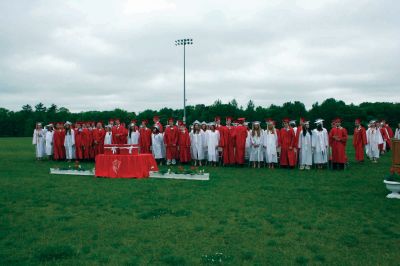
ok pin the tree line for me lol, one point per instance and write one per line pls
(21, 123)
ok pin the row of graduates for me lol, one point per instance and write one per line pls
(374, 141)
(232, 143)
(84, 140)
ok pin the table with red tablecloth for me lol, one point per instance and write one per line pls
(125, 166)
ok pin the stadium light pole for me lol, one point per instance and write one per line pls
(184, 42)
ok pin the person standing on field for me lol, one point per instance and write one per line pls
(38, 140)
(337, 140)
(359, 140)
(320, 144)
(49, 141)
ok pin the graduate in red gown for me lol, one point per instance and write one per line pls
(157, 123)
(385, 136)
(227, 142)
(145, 138)
(91, 127)
(119, 133)
(171, 141)
(337, 140)
(298, 132)
(184, 144)
(287, 140)
(359, 140)
(389, 133)
(58, 142)
(79, 139)
(240, 136)
(86, 140)
(98, 139)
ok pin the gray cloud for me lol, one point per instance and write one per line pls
(102, 55)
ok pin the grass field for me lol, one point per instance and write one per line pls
(239, 217)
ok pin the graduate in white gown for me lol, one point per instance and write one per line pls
(270, 143)
(248, 142)
(204, 127)
(197, 143)
(39, 135)
(212, 140)
(320, 144)
(157, 144)
(49, 140)
(374, 138)
(133, 134)
(305, 147)
(256, 145)
(397, 132)
(69, 142)
(108, 135)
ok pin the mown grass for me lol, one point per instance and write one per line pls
(239, 217)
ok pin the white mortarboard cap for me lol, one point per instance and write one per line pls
(319, 121)
(196, 122)
(203, 123)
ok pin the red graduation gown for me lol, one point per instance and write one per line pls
(119, 135)
(184, 146)
(86, 143)
(58, 142)
(171, 141)
(79, 146)
(145, 140)
(240, 135)
(338, 146)
(359, 142)
(98, 140)
(227, 142)
(287, 141)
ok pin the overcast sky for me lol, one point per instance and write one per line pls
(101, 55)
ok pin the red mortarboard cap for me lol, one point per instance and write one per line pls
(145, 121)
(180, 123)
(358, 120)
(286, 120)
(228, 118)
(170, 119)
(156, 117)
(217, 118)
(134, 121)
(338, 120)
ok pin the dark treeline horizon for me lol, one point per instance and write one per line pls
(21, 123)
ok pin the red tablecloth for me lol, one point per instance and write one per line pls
(125, 166)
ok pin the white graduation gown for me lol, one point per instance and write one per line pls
(134, 138)
(270, 143)
(320, 144)
(157, 142)
(108, 138)
(212, 145)
(205, 149)
(39, 142)
(256, 153)
(397, 133)
(69, 144)
(305, 146)
(197, 145)
(247, 145)
(49, 142)
(374, 138)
